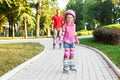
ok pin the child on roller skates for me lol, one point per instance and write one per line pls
(69, 39)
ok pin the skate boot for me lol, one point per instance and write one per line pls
(73, 68)
(66, 68)
(60, 46)
(53, 45)
(72, 65)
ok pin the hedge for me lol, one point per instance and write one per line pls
(107, 35)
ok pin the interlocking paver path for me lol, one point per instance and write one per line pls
(48, 66)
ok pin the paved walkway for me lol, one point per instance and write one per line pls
(48, 65)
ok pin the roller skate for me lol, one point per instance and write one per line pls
(66, 68)
(53, 45)
(72, 65)
(60, 46)
(73, 68)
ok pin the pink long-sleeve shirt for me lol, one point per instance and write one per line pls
(69, 36)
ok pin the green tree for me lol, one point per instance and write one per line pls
(3, 20)
(88, 14)
(48, 9)
(103, 12)
(47, 13)
(14, 10)
(9, 9)
(26, 14)
(91, 11)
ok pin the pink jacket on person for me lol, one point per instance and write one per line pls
(69, 36)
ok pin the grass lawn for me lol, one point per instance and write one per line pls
(15, 38)
(14, 54)
(112, 51)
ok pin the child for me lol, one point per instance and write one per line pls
(69, 39)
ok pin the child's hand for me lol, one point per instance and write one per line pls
(77, 43)
(59, 40)
(76, 40)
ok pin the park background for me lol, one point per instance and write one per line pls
(30, 19)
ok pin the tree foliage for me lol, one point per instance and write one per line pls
(48, 9)
(103, 12)
(14, 10)
(9, 9)
(26, 14)
(19, 11)
(92, 12)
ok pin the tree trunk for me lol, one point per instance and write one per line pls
(13, 35)
(25, 29)
(49, 33)
(37, 25)
(10, 19)
(37, 19)
(10, 30)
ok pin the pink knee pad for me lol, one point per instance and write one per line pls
(71, 54)
(66, 54)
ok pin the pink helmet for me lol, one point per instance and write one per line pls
(70, 12)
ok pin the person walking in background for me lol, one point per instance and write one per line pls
(57, 22)
(69, 39)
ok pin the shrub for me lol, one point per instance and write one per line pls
(84, 33)
(107, 35)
